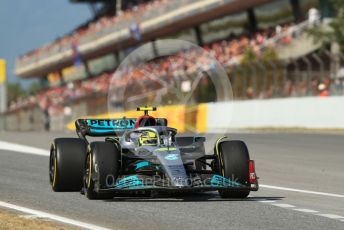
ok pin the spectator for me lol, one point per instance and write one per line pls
(313, 17)
(323, 91)
(227, 52)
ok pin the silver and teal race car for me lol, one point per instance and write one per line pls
(143, 155)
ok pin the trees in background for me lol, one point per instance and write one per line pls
(16, 90)
(335, 32)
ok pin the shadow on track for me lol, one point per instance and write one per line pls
(202, 197)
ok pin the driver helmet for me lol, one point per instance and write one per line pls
(148, 138)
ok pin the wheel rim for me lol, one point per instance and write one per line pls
(52, 167)
(88, 172)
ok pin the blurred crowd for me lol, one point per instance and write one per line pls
(227, 52)
(125, 19)
(54, 98)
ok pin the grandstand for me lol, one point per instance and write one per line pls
(79, 65)
(197, 21)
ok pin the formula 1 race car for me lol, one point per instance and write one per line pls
(144, 155)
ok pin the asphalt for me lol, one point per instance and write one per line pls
(294, 160)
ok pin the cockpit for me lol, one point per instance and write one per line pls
(151, 136)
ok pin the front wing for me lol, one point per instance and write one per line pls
(214, 182)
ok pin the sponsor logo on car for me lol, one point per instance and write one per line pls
(172, 157)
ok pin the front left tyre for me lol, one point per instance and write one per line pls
(66, 164)
(101, 170)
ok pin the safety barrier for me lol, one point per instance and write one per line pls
(26, 119)
(306, 112)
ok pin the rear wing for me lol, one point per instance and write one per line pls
(103, 127)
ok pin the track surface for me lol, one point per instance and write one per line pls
(303, 161)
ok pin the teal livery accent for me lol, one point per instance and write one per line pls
(220, 181)
(130, 182)
(142, 164)
(102, 131)
(172, 157)
(108, 125)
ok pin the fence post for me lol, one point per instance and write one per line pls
(309, 70)
(244, 80)
(321, 64)
(333, 66)
(296, 74)
(285, 64)
(253, 79)
(273, 66)
(263, 68)
(340, 83)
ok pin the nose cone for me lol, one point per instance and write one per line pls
(172, 164)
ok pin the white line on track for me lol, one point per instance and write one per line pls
(29, 216)
(331, 216)
(23, 149)
(305, 210)
(42, 152)
(61, 219)
(308, 211)
(301, 191)
(284, 205)
(267, 201)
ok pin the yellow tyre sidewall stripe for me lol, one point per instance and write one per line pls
(55, 164)
(90, 172)
(54, 179)
(220, 154)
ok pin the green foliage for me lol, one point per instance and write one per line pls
(34, 87)
(14, 91)
(269, 54)
(336, 31)
(257, 72)
(249, 56)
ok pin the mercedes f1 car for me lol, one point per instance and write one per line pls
(142, 155)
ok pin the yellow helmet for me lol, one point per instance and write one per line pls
(148, 138)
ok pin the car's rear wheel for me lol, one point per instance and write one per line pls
(234, 158)
(101, 170)
(66, 164)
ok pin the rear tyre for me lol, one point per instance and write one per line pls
(235, 157)
(102, 168)
(66, 164)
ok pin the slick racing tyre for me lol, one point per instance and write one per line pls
(102, 168)
(66, 164)
(234, 158)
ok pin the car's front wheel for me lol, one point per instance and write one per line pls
(234, 159)
(101, 170)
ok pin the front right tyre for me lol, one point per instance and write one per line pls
(233, 163)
